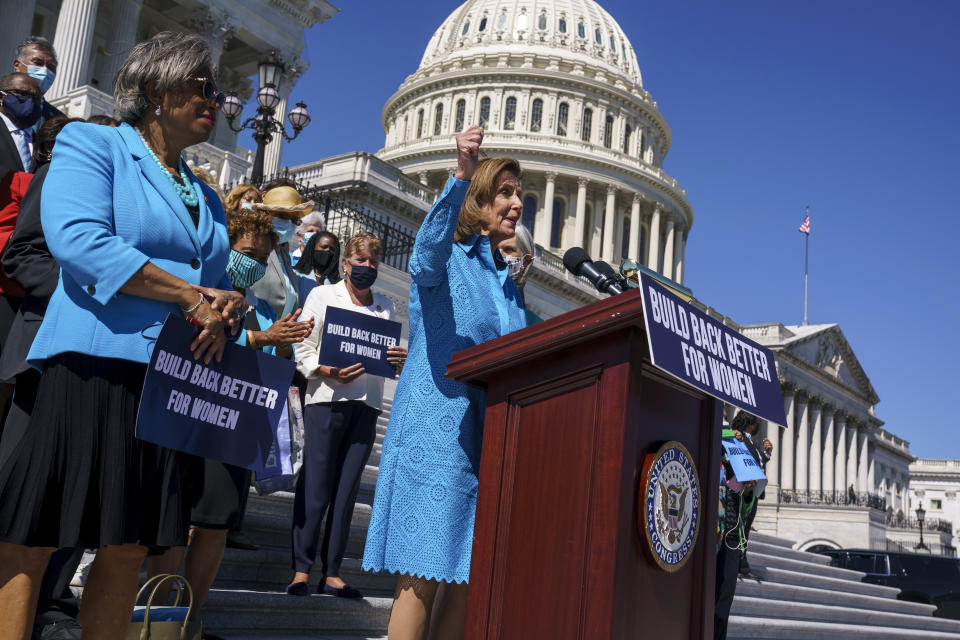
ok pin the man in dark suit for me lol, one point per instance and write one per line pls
(37, 58)
(20, 107)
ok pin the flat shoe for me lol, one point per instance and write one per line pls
(346, 591)
(239, 540)
(298, 589)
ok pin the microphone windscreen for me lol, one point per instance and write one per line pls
(573, 258)
(605, 268)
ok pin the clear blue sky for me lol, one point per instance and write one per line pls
(849, 106)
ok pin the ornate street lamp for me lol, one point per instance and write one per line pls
(921, 514)
(264, 124)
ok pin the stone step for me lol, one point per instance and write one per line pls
(803, 566)
(795, 593)
(803, 579)
(278, 614)
(782, 609)
(269, 570)
(776, 550)
(774, 540)
(772, 628)
(311, 635)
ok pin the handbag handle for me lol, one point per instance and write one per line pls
(156, 581)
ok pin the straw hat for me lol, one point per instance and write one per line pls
(284, 200)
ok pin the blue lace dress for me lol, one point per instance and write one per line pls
(426, 498)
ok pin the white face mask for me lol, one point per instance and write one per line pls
(246, 205)
(514, 265)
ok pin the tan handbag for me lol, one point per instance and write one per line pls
(162, 622)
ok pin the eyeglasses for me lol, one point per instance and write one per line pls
(20, 94)
(209, 91)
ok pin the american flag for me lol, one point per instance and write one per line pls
(805, 226)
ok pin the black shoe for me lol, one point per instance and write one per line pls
(298, 589)
(210, 636)
(346, 591)
(239, 540)
(66, 629)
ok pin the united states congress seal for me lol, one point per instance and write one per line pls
(670, 505)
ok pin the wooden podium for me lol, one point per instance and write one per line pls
(574, 407)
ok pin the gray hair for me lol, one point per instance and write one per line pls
(524, 239)
(35, 41)
(168, 59)
(314, 217)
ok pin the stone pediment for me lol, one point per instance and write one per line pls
(824, 348)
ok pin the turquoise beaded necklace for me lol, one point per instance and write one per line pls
(185, 190)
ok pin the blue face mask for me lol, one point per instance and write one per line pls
(244, 270)
(362, 277)
(307, 236)
(24, 111)
(42, 75)
(284, 228)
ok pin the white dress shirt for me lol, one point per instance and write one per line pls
(366, 388)
(17, 133)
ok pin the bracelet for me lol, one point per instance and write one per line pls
(194, 307)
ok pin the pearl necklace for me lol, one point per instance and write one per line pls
(185, 190)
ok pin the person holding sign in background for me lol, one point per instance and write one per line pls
(340, 423)
(137, 237)
(460, 295)
(220, 489)
(745, 426)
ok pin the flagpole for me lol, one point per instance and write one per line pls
(806, 261)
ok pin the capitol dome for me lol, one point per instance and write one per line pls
(556, 85)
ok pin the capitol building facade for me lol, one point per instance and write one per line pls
(557, 85)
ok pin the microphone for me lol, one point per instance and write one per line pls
(615, 277)
(578, 262)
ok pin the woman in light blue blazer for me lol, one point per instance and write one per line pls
(137, 237)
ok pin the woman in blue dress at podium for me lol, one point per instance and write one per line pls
(460, 296)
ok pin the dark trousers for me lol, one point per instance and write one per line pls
(728, 567)
(57, 601)
(338, 438)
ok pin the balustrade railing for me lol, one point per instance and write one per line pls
(832, 498)
(900, 521)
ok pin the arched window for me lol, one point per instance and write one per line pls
(613, 44)
(542, 22)
(587, 125)
(461, 112)
(484, 112)
(501, 21)
(419, 123)
(556, 229)
(403, 133)
(466, 27)
(521, 22)
(437, 118)
(483, 24)
(536, 115)
(625, 242)
(597, 36)
(608, 132)
(562, 25)
(563, 113)
(510, 114)
(627, 134)
(581, 30)
(529, 215)
(640, 144)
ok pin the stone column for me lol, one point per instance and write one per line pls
(16, 20)
(677, 248)
(653, 250)
(543, 227)
(803, 444)
(863, 461)
(123, 29)
(609, 224)
(840, 460)
(871, 471)
(581, 223)
(852, 450)
(596, 227)
(273, 154)
(678, 276)
(786, 451)
(829, 462)
(73, 43)
(773, 465)
(816, 448)
(668, 249)
(635, 225)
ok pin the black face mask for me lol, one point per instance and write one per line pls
(362, 277)
(322, 260)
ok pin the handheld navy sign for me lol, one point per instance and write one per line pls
(224, 410)
(744, 465)
(350, 337)
(693, 347)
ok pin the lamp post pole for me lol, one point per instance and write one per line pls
(921, 514)
(264, 124)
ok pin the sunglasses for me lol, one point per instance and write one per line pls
(19, 93)
(209, 91)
